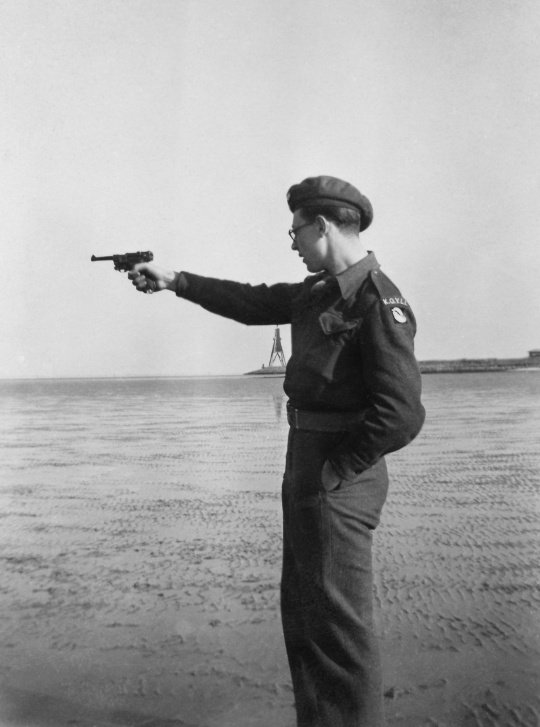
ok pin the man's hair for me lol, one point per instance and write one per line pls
(346, 219)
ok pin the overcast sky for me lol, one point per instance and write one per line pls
(178, 125)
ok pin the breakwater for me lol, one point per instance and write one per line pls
(452, 366)
(268, 371)
(472, 365)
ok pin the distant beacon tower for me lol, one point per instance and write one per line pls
(277, 350)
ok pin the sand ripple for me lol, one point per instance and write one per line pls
(141, 548)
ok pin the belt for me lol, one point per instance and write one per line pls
(323, 421)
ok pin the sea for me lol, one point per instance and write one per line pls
(140, 549)
(231, 429)
(67, 422)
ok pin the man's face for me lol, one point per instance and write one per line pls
(309, 243)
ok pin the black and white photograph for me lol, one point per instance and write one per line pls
(270, 363)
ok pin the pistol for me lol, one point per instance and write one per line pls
(125, 262)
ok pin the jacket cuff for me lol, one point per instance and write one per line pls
(181, 285)
(348, 467)
(329, 477)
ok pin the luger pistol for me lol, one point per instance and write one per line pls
(125, 262)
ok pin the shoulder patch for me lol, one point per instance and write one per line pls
(394, 301)
(388, 292)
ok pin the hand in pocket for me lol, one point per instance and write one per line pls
(329, 477)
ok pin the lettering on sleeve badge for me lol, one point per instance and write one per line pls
(395, 301)
(399, 315)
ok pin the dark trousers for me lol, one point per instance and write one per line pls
(326, 588)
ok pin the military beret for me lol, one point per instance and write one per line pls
(325, 190)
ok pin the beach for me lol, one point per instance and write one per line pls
(140, 551)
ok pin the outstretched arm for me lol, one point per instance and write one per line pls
(249, 304)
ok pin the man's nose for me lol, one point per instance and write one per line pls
(294, 246)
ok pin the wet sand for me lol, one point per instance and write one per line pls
(141, 549)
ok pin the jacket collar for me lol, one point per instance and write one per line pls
(352, 278)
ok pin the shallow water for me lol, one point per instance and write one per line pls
(140, 553)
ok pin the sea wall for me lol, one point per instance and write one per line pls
(456, 366)
(471, 365)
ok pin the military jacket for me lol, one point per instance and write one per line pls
(352, 350)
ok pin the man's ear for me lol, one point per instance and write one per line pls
(323, 224)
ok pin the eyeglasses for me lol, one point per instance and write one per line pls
(294, 230)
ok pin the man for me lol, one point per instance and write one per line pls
(354, 396)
